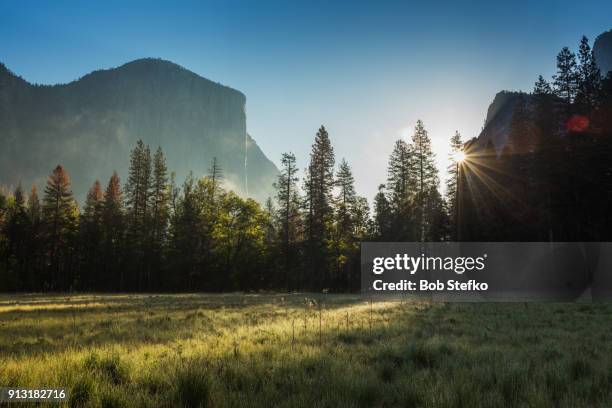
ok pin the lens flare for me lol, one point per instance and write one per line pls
(458, 156)
(577, 123)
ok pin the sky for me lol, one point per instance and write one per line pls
(366, 70)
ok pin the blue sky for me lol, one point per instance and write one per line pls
(367, 70)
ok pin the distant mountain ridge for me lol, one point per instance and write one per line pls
(91, 124)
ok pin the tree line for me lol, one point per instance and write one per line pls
(551, 180)
(151, 234)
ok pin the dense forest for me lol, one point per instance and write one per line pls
(550, 181)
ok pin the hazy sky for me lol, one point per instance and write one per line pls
(366, 70)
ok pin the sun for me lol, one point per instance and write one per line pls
(459, 156)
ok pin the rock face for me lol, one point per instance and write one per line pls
(90, 126)
(499, 118)
(602, 49)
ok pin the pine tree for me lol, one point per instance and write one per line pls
(589, 78)
(453, 168)
(425, 173)
(566, 79)
(159, 205)
(401, 186)
(346, 198)
(382, 215)
(288, 215)
(94, 203)
(343, 240)
(542, 87)
(399, 177)
(146, 194)
(318, 185)
(138, 198)
(113, 230)
(60, 217)
(91, 236)
(215, 173)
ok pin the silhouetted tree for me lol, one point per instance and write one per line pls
(589, 78)
(566, 79)
(318, 187)
(456, 145)
(425, 173)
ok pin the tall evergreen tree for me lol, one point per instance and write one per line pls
(589, 78)
(344, 241)
(91, 237)
(113, 230)
(288, 215)
(138, 198)
(401, 186)
(160, 196)
(318, 186)
(566, 79)
(425, 173)
(60, 217)
(215, 173)
(346, 198)
(456, 145)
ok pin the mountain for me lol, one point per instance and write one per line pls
(602, 49)
(90, 125)
(499, 117)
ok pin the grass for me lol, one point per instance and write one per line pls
(299, 350)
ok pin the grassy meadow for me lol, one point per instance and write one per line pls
(305, 350)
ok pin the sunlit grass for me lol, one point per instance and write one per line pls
(305, 350)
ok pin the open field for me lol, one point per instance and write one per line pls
(306, 350)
